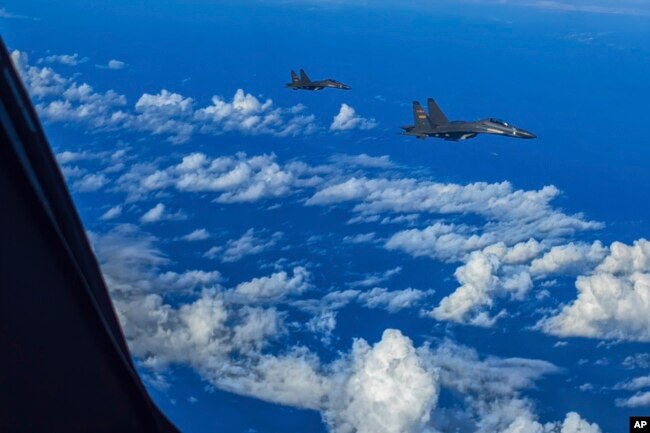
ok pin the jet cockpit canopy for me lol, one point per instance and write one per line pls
(499, 122)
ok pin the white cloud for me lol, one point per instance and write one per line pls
(486, 275)
(112, 213)
(213, 252)
(491, 392)
(90, 182)
(154, 214)
(389, 387)
(245, 113)
(159, 213)
(293, 379)
(641, 399)
(188, 280)
(377, 278)
(235, 179)
(364, 160)
(69, 156)
(324, 323)
(248, 244)
(64, 59)
(41, 82)
(197, 235)
(206, 328)
(77, 103)
(129, 259)
(635, 384)
(513, 215)
(638, 360)
(62, 99)
(165, 103)
(612, 302)
(274, 287)
(348, 119)
(499, 257)
(359, 238)
(385, 388)
(394, 300)
(115, 64)
(164, 113)
(440, 240)
(569, 257)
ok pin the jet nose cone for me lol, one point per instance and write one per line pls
(525, 134)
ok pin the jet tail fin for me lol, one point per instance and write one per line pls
(294, 77)
(303, 77)
(435, 113)
(420, 118)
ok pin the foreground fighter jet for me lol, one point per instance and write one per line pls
(435, 124)
(304, 83)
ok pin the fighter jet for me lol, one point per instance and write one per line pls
(435, 124)
(304, 83)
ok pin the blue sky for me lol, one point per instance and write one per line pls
(284, 261)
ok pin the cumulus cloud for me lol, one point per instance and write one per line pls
(324, 323)
(638, 360)
(203, 329)
(348, 119)
(514, 215)
(159, 213)
(385, 388)
(274, 287)
(499, 271)
(393, 301)
(154, 214)
(613, 301)
(234, 179)
(481, 282)
(635, 384)
(500, 258)
(363, 160)
(112, 213)
(641, 399)
(360, 238)
(115, 64)
(61, 99)
(188, 280)
(389, 387)
(569, 257)
(248, 244)
(90, 182)
(64, 59)
(197, 235)
(377, 278)
(166, 113)
(245, 113)
(293, 379)
(68, 156)
(491, 390)
(440, 241)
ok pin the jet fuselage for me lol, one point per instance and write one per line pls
(304, 83)
(435, 124)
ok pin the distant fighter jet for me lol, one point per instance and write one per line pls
(304, 83)
(435, 124)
